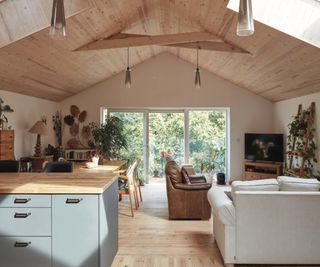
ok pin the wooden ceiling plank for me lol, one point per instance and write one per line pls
(138, 40)
(212, 46)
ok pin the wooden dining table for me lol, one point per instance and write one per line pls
(107, 166)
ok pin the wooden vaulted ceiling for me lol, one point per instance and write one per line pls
(278, 66)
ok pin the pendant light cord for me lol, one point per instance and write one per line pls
(128, 58)
(197, 58)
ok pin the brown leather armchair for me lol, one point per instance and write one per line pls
(186, 201)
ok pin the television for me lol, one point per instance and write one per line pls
(264, 147)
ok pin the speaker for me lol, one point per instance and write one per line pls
(221, 178)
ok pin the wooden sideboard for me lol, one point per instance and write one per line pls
(7, 145)
(261, 170)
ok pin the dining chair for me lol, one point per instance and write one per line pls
(127, 187)
(137, 181)
(58, 166)
(9, 166)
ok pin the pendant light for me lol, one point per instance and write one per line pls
(245, 25)
(58, 20)
(197, 80)
(128, 72)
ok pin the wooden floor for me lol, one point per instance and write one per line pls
(151, 240)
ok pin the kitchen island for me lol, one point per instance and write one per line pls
(58, 219)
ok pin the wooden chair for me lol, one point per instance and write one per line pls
(137, 181)
(128, 188)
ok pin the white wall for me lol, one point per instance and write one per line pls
(168, 82)
(285, 110)
(28, 110)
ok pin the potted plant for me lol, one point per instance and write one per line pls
(109, 138)
(3, 119)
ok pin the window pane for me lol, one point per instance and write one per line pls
(165, 134)
(207, 140)
(133, 123)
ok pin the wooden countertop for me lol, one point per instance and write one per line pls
(81, 181)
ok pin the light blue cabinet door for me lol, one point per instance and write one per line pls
(75, 230)
(25, 251)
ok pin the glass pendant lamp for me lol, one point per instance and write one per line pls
(197, 80)
(245, 26)
(58, 20)
(128, 72)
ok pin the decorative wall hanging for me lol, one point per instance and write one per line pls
(3, 119)
(79, 132)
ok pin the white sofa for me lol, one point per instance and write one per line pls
(268, 221)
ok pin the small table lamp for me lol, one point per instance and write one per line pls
(39, 128)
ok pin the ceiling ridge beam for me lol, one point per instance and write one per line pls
(135, 40)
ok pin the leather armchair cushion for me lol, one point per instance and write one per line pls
(196, 179)
(191, 187)
(185, 176)
(174, 172)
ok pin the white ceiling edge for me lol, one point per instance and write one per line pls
(298, 18)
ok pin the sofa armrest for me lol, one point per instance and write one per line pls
(192, 187)
(222, 206)
(196, 179)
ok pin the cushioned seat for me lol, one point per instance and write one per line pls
(254, 185)
(9, 166)
(197, 186)
(58, 166)
(287, 183)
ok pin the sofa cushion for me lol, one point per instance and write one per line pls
(190, 187)
(185, 176)
(173, 171)
(222, 206)
(287, 183)
(254, 185)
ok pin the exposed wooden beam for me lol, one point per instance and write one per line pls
(213, 45)
(133, 40)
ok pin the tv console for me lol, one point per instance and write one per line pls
(254, 170)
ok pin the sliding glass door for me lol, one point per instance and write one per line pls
(166, 133)
(191, 136)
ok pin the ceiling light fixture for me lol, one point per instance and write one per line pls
(128, 72)
(245, 25)
(58, 20)
(197, 80)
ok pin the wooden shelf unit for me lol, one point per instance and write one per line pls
(78, 154)
(261, 170)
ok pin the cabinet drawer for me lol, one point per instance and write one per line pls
(25, 222)
(25, 251)
(22, 201)
(6, 148)
(6, 136)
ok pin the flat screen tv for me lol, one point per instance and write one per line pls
(264, 147)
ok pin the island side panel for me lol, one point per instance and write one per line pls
(109, 225)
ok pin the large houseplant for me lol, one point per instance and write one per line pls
(109, 138)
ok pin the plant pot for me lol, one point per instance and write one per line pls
(155, 173)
